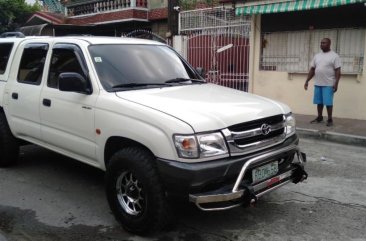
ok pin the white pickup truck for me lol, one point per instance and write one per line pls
(139, 111)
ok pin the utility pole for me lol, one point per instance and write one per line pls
(173, 14)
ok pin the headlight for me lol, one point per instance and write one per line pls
(212, 144)
(200, 145)
(290, 124)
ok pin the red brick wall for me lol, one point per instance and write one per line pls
(106, 17)
(159, 13)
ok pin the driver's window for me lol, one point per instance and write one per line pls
(63, 60)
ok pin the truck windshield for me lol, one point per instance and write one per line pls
(125, 67)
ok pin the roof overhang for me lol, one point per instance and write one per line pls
(121, 21)
(33, 30)
(43, 17)
(290, 5)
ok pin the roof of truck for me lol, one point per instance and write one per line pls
(89, 39)
(115, 40)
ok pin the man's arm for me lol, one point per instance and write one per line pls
(310, 76)
(337, 77)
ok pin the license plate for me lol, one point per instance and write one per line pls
(264, 172)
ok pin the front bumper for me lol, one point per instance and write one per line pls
(227, 183)
(243, 193)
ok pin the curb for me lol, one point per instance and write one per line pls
(332, 136)
(2, 238)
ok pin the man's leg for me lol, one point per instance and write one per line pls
(328, 94)
(320, 111)
(330, 112)
(318, 101)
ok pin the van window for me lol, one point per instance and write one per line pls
(5, 50)
(32, 63)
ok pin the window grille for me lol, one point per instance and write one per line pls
(210, 18)
(293, 51)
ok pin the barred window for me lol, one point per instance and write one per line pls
(292, 51)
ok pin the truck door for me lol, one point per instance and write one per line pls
(67, 118)
(24, 89)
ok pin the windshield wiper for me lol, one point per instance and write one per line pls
(132, 85)
(166, 83)
(181, 80)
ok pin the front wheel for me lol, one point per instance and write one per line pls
(134, 191)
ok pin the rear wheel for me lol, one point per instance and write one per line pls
(9, 147)
(134, 191)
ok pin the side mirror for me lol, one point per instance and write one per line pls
(73, 82)
(201, 71)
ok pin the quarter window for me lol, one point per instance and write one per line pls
(5, 50)
(32, 63)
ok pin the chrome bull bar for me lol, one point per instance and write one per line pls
(237, 193)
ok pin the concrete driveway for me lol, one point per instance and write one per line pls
(50, 197)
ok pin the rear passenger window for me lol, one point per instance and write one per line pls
(5, 50)
(63, 60)
(32, 63)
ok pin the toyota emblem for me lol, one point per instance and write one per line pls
(266, 129)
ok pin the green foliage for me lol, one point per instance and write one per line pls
(14, 13)
(187, 4)
(191, 4)
(211, 2)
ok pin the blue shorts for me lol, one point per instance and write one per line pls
(323, 95)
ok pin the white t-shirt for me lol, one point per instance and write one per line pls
(325, 65)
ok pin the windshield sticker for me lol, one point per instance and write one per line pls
(98, 59)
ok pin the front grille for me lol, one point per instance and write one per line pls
(245, 141)
(257, 123)
(251, 136)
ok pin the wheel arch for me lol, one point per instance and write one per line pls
(20, 141)
(9, 144)
(116, 143)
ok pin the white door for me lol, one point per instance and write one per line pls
(23, 91)
(67, 118)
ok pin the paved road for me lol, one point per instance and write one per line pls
(50, 197)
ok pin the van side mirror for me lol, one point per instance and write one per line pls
(201, 71)
(73, 82)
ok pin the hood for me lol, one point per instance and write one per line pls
(206, 107)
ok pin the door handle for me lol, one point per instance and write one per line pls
(46, 102)
(14, 95)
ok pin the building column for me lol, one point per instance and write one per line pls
(254, 54)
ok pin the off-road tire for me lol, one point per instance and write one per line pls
(154, 214)
(9, 147)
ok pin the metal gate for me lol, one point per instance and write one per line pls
(218, 42)
(144, 34)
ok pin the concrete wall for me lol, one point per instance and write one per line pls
(349, 101)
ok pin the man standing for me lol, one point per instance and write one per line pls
(326, 66)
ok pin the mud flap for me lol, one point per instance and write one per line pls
(303, 155)
(249, 198)
(300, 174)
